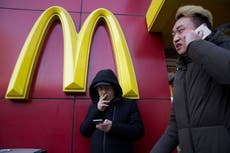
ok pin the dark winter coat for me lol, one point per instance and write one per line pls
(200, 118)
(124, 114)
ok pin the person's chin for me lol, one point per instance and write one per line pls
(181, 51)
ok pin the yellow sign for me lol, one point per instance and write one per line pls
(76, 53)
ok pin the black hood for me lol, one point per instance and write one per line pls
(106, 75)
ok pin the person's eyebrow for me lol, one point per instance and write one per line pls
(180, 26)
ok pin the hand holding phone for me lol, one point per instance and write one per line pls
(203, 31)
(105, 126)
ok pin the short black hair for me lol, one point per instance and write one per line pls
(199, 19)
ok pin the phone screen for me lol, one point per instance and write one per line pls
(97, 121)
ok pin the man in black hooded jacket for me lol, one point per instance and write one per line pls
(200, 117)
(121, 121)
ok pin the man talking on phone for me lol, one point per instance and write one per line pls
(112, 121)
(200, 117)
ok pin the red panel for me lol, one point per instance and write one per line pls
(12, 39)
(49, 74)
(134, 7)
(81, 144)
(155, 115)
(45, 124)
(148, 58)
(71, 5)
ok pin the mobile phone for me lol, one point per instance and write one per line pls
(203, 31)
(97, 121)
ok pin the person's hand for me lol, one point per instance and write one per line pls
(105, 126)
(102, 103)
(191, 36)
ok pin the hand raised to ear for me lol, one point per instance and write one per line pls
(191, 36)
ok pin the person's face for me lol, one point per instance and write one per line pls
(181, 27)
(106, 90)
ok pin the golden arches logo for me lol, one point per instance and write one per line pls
(76, 53)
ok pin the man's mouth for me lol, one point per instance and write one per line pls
(178, 46)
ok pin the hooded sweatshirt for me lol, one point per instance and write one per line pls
(124, 114)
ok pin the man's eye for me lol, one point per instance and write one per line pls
(180, 30)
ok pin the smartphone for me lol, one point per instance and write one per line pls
(97, 121)
(203, 31)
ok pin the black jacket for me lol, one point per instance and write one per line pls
(200, 118)
(126, 120)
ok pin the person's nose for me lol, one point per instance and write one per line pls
(103, 91)
(176, 39)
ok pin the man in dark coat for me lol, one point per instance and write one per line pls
(121, 121)
(200, 117)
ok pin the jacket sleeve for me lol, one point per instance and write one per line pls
(88, 126)
(214, 59)
(169, 140)
(132, 130)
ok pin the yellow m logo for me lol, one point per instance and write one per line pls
(76, 53)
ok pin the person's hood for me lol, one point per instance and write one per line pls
(108, 76)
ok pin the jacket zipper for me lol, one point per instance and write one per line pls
(104, 137)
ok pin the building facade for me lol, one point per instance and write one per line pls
(39, 108)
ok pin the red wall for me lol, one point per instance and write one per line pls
(50, 119)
